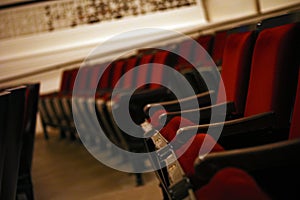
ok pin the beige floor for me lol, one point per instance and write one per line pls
(64, 170)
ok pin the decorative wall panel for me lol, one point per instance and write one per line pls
(55, 15)
(220, 10)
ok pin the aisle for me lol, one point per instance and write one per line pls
(64, 170)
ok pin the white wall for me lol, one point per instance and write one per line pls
(270, 5)
(36, 52)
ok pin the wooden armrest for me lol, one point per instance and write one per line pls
(236, 126)
(204, 113)
(173, 105)
(238, 133)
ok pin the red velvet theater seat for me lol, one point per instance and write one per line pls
(218, 46)
(185, 50)
(64, 101)
(231, 183)
(151, 70)
(84, 100)
(273, 96)
(275, 93)
(273, 165)
(290, 31)
(206, 41)
(235, 75)
(101, 108)
(55, 108)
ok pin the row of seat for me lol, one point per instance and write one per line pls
(59, 109)
(250, 151)
(56, 109)
(132, 135)
(18, 112)
(82, 92)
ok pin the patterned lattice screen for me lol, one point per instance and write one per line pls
(55, 15)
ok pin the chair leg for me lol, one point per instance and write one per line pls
(62, 134)
(72, 136)
(46, 135)
(25, 188)
(139, 179)
(164, 193)
(29, 194)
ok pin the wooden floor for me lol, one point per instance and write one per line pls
(63, 170)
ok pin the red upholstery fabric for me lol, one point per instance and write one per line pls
(117, 73)
(130, 64)
(104, 82)
(185, 51)
(112, 75)
(82, 81)
(64, 85)
(127, 81)
(218, 47)
(236, 69)
(206, 42)
(295, 125)
(199, 56)
(169, 131)
(72, 79)
(143, 72)
(95, 76)
(157, 72)
(192, 152)
(231, 183)
(235, 73)
(273, 73)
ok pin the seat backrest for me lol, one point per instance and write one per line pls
(185, 50)
(200, 57)
(14, 128)
(104, 82)
(144, 71)
(72, 79)
(236, 68)
(97, 70)
(206, 41)
(83, 79)
(157, 71)
(29, 128)
(231, 183)
(218, 47)
(273, 73)
(117, 72)
(4, 97)
(127, 81)
(295, 125)
(64, 84)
